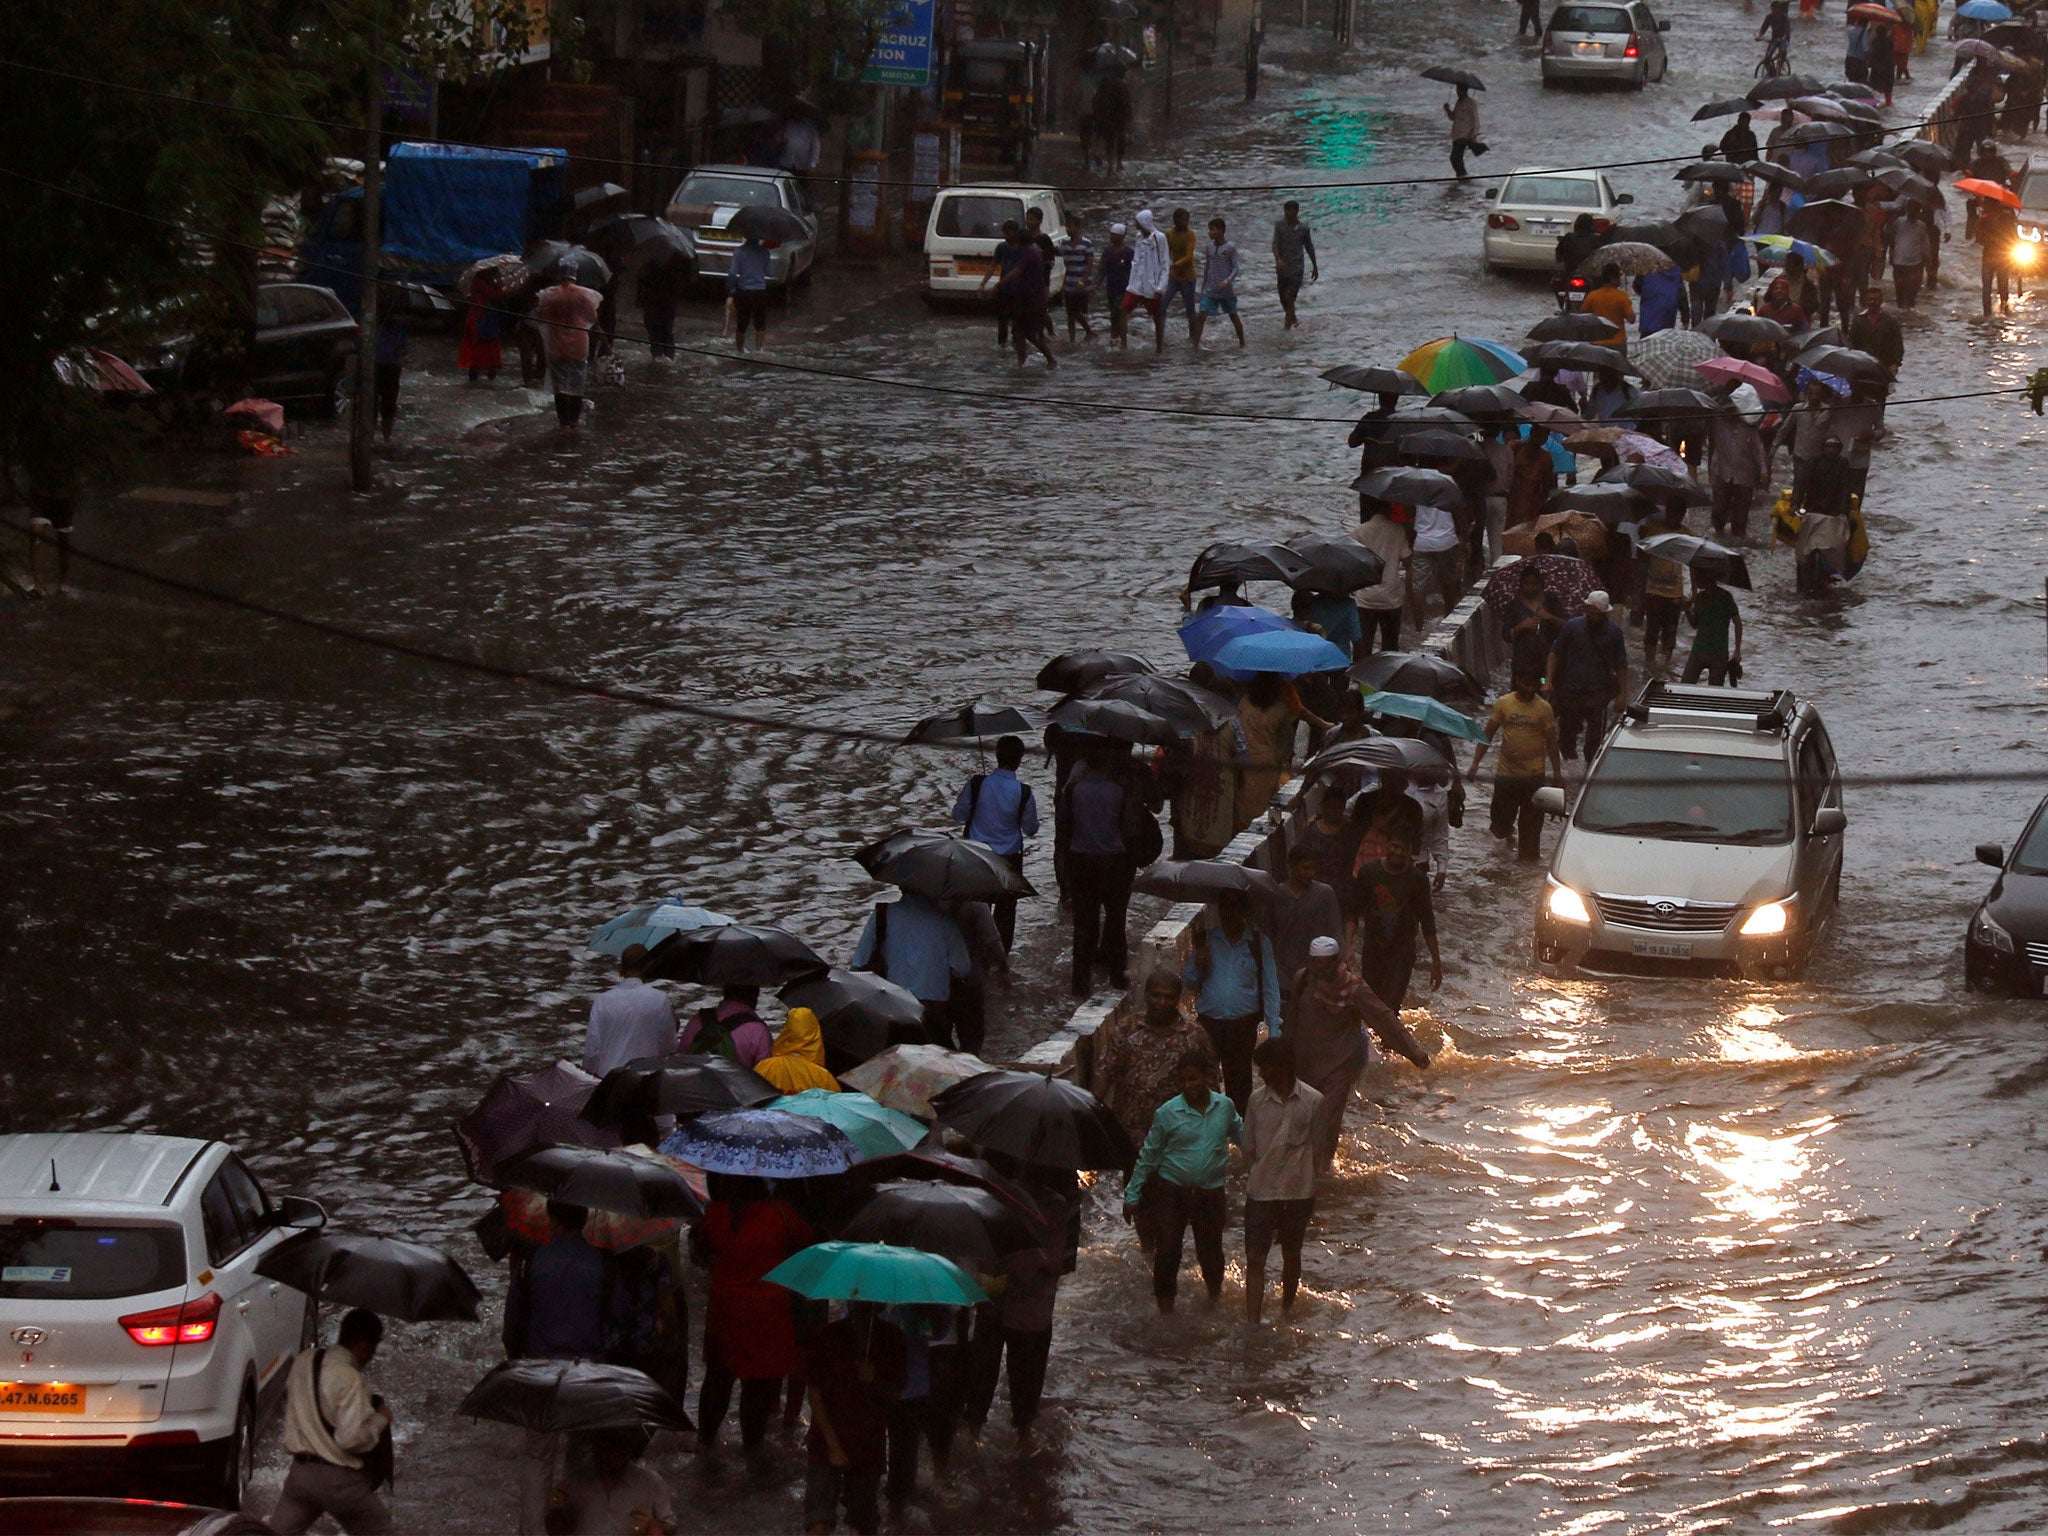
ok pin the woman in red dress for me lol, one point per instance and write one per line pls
(482, 352)
(749, 1336)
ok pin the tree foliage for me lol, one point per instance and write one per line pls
(824, 42)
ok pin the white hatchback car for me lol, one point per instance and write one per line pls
(139, 1348)
(1534, 207)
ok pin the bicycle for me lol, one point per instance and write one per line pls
(1775, 62)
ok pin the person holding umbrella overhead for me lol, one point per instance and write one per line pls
(1464, 116)
(331, 1425)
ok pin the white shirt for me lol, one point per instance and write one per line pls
(1435, 531)
(1387, 539)
(1149, 262)
(601, 1511)
(1435, 800)
(629, 1021)
(1280, 1143)
(357, 1425)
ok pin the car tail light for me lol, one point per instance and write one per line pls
(1635, 47)
(1502, 221)
(191, 1322)
(1601, 226)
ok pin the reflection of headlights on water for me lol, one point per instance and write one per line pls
(1772, 917)
(1566, 904)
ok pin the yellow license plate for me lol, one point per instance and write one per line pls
(723, 236)
(41, 1397)
(973, 266)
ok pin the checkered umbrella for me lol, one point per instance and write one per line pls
(1666, 357)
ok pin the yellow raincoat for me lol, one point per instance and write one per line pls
(798, 1060)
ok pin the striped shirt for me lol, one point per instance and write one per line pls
(1076, 251)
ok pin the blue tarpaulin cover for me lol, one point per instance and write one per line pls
(449, 205)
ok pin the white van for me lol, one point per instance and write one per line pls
(966, 226)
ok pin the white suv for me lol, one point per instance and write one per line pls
(139, 1348)
(1707, 836)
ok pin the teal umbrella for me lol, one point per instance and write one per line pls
(879, 1272)
(648, 926)
(1438, 717)
(874, 1129)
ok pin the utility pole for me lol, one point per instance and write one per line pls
(362, 478)
(1171, 32)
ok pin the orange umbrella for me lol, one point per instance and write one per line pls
(1976, 186)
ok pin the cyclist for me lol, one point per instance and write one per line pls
(1777, 26)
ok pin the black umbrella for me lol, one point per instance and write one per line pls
(1675, 405)
(1838, 182)
(1116, 719)
(1705, 557)
(527, 1109)
(1205, 880)
(1782, 86)
(1374, 380)
(1722, 106)
(572, 1396)
(1876, 159)
(387, 1275)
(765, 223)
(1335, 566)
(978, 721)
(1423, 418)
(1105, 57)
(1752, 330)
(1172, 698)
(1585, 328)
(556, 259)
(1704, 222)
(1444, 74)
(956, 1221)
(1843, 362)
(1074, 670)
(942, 866)
(603, 192)
(635, 239)
(1410, 486)
(732, 955)
(1228, 563)
(1582, 355)
(1436, 443)
(1924, 155)
(1658, 480)
(1902, 181)
(603, 1179)
(1661, 233)
(1780, 175)
(1852, 90)
(859, 1013)
(929, 1165)
(1826, 336)
(1726, 172)
(1612, 504)
(1415, 672)
(1483, 402)
(1819, 133)
(1042, 1120)
(676, 1085)
(1407, 754)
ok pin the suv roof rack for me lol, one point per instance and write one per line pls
(1771, 710)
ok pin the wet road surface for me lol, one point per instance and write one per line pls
(1675, 1256)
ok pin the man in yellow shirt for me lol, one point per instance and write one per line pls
(1610, 302)
(1526, 727)
(1180, 270)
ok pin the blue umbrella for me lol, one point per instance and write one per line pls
(1288, 652)
(1213, 628)
(1437, 716)
(1984, 10)
(648, 926)
(763, 1144)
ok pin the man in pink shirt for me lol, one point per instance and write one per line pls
(567, 313)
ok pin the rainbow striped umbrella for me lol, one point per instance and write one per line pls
(1455, 362)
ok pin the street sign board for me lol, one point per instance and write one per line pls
(903, 53)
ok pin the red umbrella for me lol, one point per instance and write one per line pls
(1977, 186)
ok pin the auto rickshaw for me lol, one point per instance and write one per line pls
(994, 91)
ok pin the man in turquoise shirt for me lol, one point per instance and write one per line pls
(1178, 1182)
(1237, 987)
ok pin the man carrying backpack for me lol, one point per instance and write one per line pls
(997, 809)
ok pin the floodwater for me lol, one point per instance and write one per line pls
(1634, 1256)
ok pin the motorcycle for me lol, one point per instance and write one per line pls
(1570, 293)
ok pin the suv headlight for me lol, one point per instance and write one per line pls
(1772, 917)
(1985, 931)
(1566, 904)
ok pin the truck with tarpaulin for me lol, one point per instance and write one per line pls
(444, 207)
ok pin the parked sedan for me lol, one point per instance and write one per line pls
(300, 345)
(1604, 40)
(1533, 207)
(711, 197)
(2006, 946)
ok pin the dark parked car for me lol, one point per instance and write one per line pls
(2006, 947)
(300, 348)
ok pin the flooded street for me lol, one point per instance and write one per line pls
(1639, 1256)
